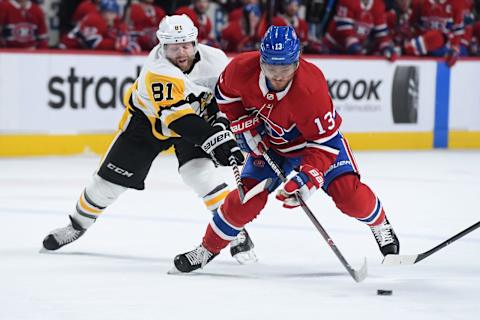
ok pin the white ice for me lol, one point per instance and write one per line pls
(118, 270)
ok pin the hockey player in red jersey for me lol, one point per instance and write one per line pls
(22, 25)
(144, 19)
(354, 24)
(241, 35)
(198, 13)
(84, 8)
(280, 104)
(439, 29)
(290, 17)
(170, 103)
(101, 31)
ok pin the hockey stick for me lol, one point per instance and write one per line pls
(394, 259)
(244, 197)
(357, 275)
(238, 180)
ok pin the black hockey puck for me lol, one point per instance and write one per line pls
(381, 292)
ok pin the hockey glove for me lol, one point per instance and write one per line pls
(304, 183)
(389, 53)
(354, 49)
(250, 134)
(452, 56)
(221, 146)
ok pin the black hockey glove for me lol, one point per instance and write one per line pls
(221, 146)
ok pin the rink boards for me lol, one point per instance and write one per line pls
(70, 102)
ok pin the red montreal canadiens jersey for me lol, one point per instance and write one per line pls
(299, 120)
(445, 16)
(145, 19)
(22, 27)
(202, 22)
(355, 21)
(94, 33)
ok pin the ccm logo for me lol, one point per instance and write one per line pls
(242, 126)
(118, 170)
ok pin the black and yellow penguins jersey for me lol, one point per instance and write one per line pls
(164, 93)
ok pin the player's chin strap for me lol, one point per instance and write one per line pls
(357, 275)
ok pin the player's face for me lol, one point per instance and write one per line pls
(279, 75)
(180, 54)
(292, 9)
(201, 5)
(109, 17)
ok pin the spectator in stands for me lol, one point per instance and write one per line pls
(144, 19)
(237, 13)
(438, 29)
(398, 21)
(468, 21)
(101, 30)
(241, 35)
(22, 25)
(83, 9)
(289, 17)
(355, 23)
(65, 14)
(475, 45)
(197, 12)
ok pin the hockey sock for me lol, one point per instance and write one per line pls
(232, 216)
(215, 198)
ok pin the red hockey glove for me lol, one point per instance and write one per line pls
(250, 134)
(305, 183)
(452, 56)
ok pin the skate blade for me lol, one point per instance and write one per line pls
(174, 270)
(43, 250)
(246, 257)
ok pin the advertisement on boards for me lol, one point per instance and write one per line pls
(68, 93)
(378, 96)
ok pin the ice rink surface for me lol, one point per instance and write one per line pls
(118, 269)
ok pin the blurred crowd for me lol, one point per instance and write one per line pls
(390, 28)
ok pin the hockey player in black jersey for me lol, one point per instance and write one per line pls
(170, 103)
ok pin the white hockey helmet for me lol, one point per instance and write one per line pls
(177, 29)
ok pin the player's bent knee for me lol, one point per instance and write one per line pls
(102, 192)
(351, 196)
(201, 176)
(240, 214)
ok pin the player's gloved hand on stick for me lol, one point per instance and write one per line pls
(452, 56)
(250, 134)
(221, 146)
(305, 183)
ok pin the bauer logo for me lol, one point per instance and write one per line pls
(76, 90)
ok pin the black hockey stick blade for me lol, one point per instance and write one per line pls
(397, 259)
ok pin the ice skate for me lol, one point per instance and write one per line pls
(62, 236)
(241, 248)
(192, 260)
(386, 238)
